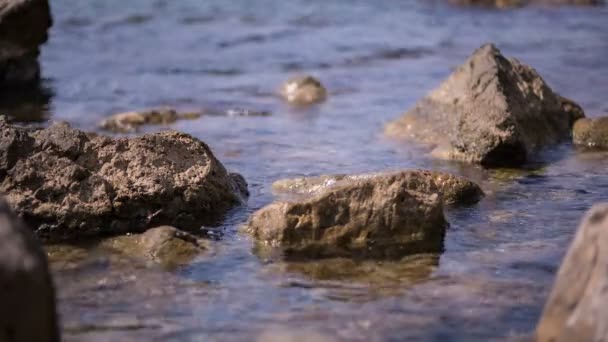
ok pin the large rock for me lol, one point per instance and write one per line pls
(377, 217)
(492, 110)
(591, 133)
(576, 309)
(453, 189)
(23, 28)
(66, 183)
(27, 298)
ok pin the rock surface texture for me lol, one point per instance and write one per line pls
(303, 90)
(23, 28)
(27, 298)
(576, 309)
(383, 216)
(591, 133)
(492, 110)
(65, 183)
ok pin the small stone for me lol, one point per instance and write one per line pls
(303, 90)
(591, 133)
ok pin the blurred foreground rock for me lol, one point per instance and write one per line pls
(66, 183)
(368, 216)
(591, 133)
(492, 110)
(303, 90)
(576, 309)
(27, 296)
(23, 28)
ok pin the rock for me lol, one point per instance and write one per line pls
(27, 299)
(575, 310)
(303, 90)
(592, 133)
(23, 28)
(67, 184)
(130, 121)
(378, 217)
(454, 189)
(492, 110)
(164, 245)
(518, 3)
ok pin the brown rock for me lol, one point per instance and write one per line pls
(576, 310)
(27, 298)
(66, 183)
(303, 90)
(377, 217)
(164, 245)
(131, 121)
(591, 133)
(492, 110)
(23, 28)
(453, 189)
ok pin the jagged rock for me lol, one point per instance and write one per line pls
(377, 217)
(303, 90)
(66, 183)
(131, 121)
(164, 245)
(23, 28)
(454, 189)
(591, 133)
(492, 110)
(27, 298)
(576, 310)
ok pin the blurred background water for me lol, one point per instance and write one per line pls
(376, 58)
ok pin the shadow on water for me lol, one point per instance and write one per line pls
(27, 104)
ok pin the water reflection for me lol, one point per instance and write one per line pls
(26, 104)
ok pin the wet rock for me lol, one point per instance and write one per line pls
(303, 90)
(492, 110)
(454, 189)
(23, 28)
(575, 310)
(68, 184)
(130, 121)
(165, 245)
(592, 133)
(378, 217)
(27, 299)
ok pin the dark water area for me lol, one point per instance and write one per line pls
(376, 58)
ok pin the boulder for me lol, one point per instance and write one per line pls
(576, 310)
(130, 121)
(377, 217)
(27, 299)
(492, 110)
(66, 183)
(303, 91)
(23, 28)
(454, 190)
(165, 245)
(591, 133)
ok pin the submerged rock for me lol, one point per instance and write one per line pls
(303, 90)
(131, 121)
(378, 217)
(164, 245)
(592, 133)
(23, 28)
(27, 298)
(66, 183)
(576, 310)
(492, 110)
(453, 189)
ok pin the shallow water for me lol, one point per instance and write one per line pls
(377, 58)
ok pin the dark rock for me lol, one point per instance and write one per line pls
(23, 28)
(591, 133)
(453, 189)
(165, 245)
(377, 217)
(576, 310)
(492, 110)
(66, 183)
(303, 90)
(27, 298)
